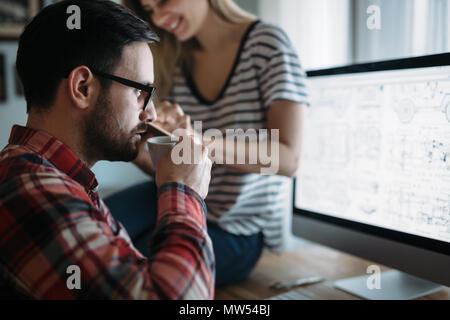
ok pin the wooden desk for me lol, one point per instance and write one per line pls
(308, 261)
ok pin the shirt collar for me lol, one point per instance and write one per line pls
(56, 153)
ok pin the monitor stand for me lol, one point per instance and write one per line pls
(394, 285)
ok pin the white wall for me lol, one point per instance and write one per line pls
(408, 28)
(333, 32)
(321, 30)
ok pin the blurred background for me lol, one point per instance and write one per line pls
(325, 33)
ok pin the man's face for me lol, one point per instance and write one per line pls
(113, 130)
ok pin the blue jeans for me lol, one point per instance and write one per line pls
(136, 208)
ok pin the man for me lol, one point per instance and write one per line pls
(88, 97)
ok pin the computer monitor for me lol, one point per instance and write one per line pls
(374, 177)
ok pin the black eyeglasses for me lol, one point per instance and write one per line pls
(149, 90)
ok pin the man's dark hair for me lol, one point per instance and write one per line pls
(49, 50)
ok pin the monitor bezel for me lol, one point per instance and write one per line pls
(434, 245)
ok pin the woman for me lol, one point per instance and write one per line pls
(228, 70)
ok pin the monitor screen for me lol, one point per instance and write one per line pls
(376, 150)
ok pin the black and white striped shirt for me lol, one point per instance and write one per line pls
(266, 69)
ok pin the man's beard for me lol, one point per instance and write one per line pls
(102, 135)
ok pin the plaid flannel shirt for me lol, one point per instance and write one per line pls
(51, 218)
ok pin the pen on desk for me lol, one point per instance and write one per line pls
(296, 283)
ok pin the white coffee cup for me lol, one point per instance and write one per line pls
(159, 147)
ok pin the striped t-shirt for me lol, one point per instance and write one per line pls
(266, 69)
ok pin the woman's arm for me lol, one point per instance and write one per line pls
(287, 117)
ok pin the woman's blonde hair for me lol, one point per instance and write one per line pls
(170, 52)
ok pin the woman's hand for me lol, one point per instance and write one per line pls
(170, 117)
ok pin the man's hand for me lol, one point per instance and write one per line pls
(143, 160)
(195, 176)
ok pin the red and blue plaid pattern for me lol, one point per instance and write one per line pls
(51, 218)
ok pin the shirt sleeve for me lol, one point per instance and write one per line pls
(63, 236)
(281, 76)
